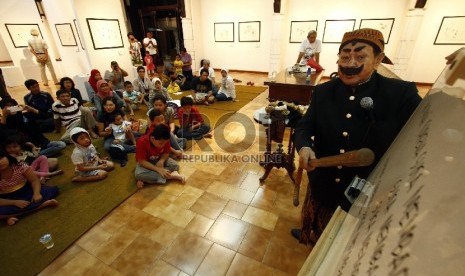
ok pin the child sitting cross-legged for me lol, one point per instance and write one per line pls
(123, 135)
(152, 156)
(42, 166)
(89, 167)
(132, 98)
(177, 144)
(192, 125)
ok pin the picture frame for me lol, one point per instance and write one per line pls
(21, 33)
(335, 29)
(224, 31)
(300, 29)
(66, 34)
(105, 33)
(77, 32)
(451, 31)
(249, 31)
(384, 25)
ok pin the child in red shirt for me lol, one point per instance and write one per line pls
(192, 125)
(152, 156)
(149, 63)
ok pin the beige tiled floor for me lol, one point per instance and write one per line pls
(221, 222)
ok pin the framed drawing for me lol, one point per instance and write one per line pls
(77, 32)
(66, 34)
(300, 29)
(21, 33)
(224, 32)
(451, 31)
(105, 33)
(335, 29)
(383, 25)
(249, 31)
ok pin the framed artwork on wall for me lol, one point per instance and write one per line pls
(249, 31)
(335, 29)
(105, 33)
(300, 29)
(383, 25)
(66, 34)
(21, 33)
(224, 31)
(77, 32)
(451, 31)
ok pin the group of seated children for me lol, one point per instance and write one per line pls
(24, 168)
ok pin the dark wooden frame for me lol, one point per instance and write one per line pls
(223, 23)
(60, 35)
(294, 25)
(436, 42)
(94, 34)
(391, 20)
(346, 21)
(19, 44)
(249, 40)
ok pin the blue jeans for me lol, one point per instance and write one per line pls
(53, 148)
(177, 143)
(222, 97)
(118, 152)
(196, 134)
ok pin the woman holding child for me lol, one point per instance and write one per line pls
(118, 151)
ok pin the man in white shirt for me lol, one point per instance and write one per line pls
(38, 47)
(150, 45)
(309, 48)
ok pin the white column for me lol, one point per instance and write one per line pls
(276, 41)
(409, 36)
(188, 32)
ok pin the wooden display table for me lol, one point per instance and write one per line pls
(293, 87)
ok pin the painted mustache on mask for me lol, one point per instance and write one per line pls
(350, 71)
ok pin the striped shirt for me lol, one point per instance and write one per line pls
(16, 181)
(67, 114)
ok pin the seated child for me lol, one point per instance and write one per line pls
(191, 122)
(177, 144)
(158, 90)
(169, 110)
(153, 162)
(42, 166)
(89, 167)
(132, 98)
(173, 87)
(122, 132)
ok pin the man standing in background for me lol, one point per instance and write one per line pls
(39, 49)
(150, 45)
(309, 48)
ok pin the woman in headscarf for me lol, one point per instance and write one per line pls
(103, 91)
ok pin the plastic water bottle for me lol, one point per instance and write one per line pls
(309, 73)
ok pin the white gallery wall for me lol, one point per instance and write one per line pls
(255, 56)
(20, 12)
(423, 64)
(74, 60)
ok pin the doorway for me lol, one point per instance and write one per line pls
(163, 20)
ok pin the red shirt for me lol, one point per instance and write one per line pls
(194, 116)
(146, 151)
